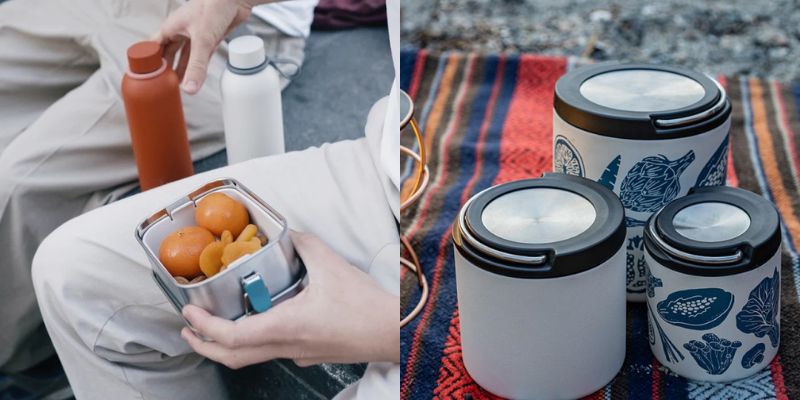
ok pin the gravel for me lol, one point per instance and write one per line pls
(731, 37)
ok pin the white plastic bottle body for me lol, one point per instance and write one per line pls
(252, 114)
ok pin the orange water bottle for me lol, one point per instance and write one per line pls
(155, 116)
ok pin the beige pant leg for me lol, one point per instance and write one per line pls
(115, 333)
(78, 146)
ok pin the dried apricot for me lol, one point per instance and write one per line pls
(211, 258)
(248, 233)
(226, 237)
(238, 249)
(219, 212)
(180, 250)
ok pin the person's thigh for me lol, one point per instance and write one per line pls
(111, 325)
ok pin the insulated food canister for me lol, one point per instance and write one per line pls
(539, 268)
(713, 293)
(647, 132)
(252, 283)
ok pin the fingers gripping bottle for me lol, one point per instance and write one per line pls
(155, 117)
(251, 102)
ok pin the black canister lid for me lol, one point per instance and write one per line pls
(714, 231)
(640, 101)
(549, 227)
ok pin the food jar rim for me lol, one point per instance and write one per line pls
(755, 246)
(584, 251)
(711, 111)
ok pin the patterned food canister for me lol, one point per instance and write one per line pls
(713, 292)
(647, 132)
(539, 267)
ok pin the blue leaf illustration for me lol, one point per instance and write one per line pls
(653, 182)
(714, 355)
(715, 171)
(699, 309)
(759, 315)
(652, 283)
(565, 158)
(609, 177)
(629, 222)
(635, 266)
(671, 352)
(753, 356)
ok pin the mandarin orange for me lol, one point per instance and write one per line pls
(180, 250)
(218, 212)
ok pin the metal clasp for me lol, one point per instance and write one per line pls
(256, 295)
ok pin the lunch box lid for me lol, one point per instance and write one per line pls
(714, 231)
(641, 101)
(549, 227)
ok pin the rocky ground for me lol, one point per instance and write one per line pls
(757, 37)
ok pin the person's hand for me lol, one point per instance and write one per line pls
(342, 316)
(196, 29)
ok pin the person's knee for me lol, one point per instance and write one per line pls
(54, 266)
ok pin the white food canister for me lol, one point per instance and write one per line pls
(539, 268)
(713, 293)
(647, 132)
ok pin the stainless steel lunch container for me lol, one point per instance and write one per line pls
(252, 283)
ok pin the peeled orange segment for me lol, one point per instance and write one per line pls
(249, 232)
(238, 249)
(219, 212)
(211, 258)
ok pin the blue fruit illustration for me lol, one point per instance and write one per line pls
(653, 182)
(671, 352)
(652, 283)
(565, 158)
(630, 222)
(715, 171)
(714, 354)
(698, 309)
(753, 356)
(759, 315)
(609, 176)
(635, 266)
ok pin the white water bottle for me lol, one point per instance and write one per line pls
(251, 102)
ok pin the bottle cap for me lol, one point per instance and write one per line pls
(246, 52)
(144, 57)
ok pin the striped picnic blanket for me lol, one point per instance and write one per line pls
(487, 119)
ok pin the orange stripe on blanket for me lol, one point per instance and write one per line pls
(771, 168)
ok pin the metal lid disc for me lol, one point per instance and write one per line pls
(711, 222)
(538, 215)
(642, 90)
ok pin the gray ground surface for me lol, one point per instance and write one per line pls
(732, 37)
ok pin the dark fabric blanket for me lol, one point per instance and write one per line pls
(488, 120)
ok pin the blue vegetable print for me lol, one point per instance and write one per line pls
(714, 354)
(565, 158)
(635, 266)
(632, 222)
(671, 352)
(609, 176)
(753, 356)
(653, 182)
(713, 174)
(759, 315)
(698, 309)
(652, 283)
(650, 334)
